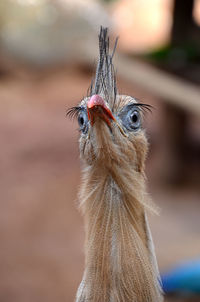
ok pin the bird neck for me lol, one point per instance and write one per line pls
(120, 265)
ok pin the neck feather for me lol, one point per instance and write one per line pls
(119, 263)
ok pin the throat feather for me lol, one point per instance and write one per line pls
(118, 266)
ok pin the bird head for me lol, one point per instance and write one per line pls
(110, 124)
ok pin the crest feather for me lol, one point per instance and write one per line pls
(105, 79)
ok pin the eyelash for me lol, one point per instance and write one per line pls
(144, 107)
(73, 112)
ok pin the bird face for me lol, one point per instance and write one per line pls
(110, 124)
(109, 136)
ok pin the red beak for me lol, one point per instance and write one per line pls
(97, 106)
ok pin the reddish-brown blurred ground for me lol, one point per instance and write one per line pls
(41, 255)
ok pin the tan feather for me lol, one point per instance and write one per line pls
(113, 200)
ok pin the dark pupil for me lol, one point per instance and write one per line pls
(134, 117)
(81, 120)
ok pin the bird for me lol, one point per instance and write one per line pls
(120, 261)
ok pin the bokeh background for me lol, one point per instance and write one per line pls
(48, 50)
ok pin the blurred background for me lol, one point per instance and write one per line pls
(48, 50)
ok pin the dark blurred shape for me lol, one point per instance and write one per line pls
(182, 21)
(181, 58)
(182, 55)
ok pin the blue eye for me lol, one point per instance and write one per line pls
(83, 121)
(130, 118)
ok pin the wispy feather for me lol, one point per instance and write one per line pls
(105, 79)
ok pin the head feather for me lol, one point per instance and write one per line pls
(105, 79)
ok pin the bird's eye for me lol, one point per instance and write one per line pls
(130, 118)
(83, 121)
